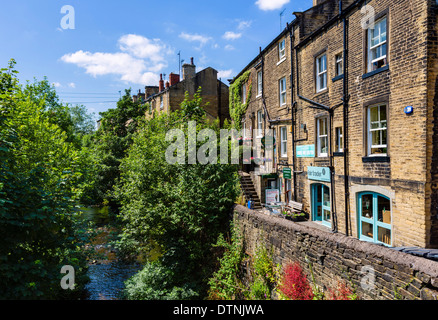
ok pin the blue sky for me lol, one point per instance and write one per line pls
(118, 45)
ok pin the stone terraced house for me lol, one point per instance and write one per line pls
(350, 90)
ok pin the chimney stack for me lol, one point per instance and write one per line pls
(161, 84)
(167, 84)
(173, 78)
(189, 70)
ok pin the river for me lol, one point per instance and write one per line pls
(106, 271)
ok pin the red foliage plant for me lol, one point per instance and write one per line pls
(294, 284)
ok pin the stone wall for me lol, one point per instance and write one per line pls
(336, 257)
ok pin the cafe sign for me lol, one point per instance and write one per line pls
(319, 174)
(307, 151)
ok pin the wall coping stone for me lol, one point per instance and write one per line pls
(415, 263)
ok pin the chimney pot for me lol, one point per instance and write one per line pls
(191, 61)
(161, 84)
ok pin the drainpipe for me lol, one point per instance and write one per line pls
(294, 103)
(345, 120)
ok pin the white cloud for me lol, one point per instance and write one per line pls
(267, 5)
(229, 47)
(223, 74)
(229, 35)
(56, 84)
(138, 62)
(72, 85)
(244, 25)
(195, 38)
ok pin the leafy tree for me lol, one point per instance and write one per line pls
(39, 169)
(182, 208)
(111, 143)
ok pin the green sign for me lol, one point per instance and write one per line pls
(307, 151)
(287, 173)
(319, 174)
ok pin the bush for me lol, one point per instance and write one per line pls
(156, 282)
(294, 283)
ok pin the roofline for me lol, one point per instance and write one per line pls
(287, 29)
(346, 12)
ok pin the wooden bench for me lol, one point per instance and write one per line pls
(294, 206)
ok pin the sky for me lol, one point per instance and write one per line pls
(91, 51)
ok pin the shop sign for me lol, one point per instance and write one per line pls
(319, 174)
(287, 173)
(307, 151)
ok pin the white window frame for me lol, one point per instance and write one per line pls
(339, 64)
(380, 44)
(259, 124)
(244, 93)
(259, 83)
(282, 50)
(283, 142)
(340, 139)
(282, 89)
(382, 127)
(320, 137)
(161, 102)
(321, 72)
(244, 130)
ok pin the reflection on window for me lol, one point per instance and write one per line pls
(377, 46)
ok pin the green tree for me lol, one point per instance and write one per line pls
(39, 170)
(182, 208)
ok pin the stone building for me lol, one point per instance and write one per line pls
(350, 89)
(167, 96)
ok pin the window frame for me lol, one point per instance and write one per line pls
(369, 131)
(374, 220)
(282, 93)
(259, 83)
(339, 135)
(259, 124)
(161, 103)
(368, 32)
(282, 52)
(283, 148)
(244, 93)
(320, 154)
(339, 61)
(321, 74)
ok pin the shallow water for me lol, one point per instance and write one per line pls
(107, 280)
(107, 274)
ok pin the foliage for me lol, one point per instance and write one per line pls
(39, 169)
(294, 284)
(237, 108)
(264, 274)
(156, 282)
(185, 208)
(109, 146)
(225, 283)
(341, 292)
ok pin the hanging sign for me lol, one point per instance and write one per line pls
(287, 173)
(319, 174)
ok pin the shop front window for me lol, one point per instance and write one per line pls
(375, 221)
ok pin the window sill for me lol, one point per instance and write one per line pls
(341, 76)
(372, 73)
(281, 61)
(376, 159)
(321, 92)
(322, 158)
(259, 96)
